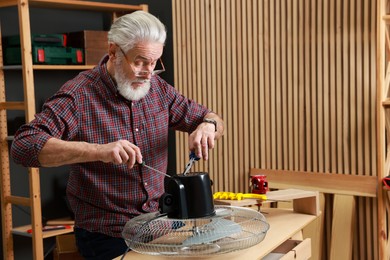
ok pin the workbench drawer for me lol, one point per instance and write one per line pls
(291, 250)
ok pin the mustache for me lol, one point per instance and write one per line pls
(141, 81)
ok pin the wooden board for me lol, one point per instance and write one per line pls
(23, 231)
(303, 201)
(323, 182)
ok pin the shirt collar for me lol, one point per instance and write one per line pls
(106, 77)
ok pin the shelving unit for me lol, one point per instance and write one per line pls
(28, 106)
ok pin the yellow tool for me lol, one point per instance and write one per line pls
(225, 195)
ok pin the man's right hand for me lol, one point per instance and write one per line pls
(57, 152)
(119, 152)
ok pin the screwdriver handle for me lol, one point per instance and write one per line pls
(193, 156)
(141, 164)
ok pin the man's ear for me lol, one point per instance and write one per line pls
(112, 48)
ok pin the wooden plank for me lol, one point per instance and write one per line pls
(17, 200)
(313, 84)
(309, 205)
(215, 66)
(315, 231)
(262, 86)
(84, 5)
(359, 110)
(331, 95)
(36, 211)
(339, 88)
(278, 147)
(234, 124)
(301, 134)
(27, 71)
(218, 156)
(29, 99)
(226, 84)
(323, 182)
(307, 87)
(386, 102)
(253, 75)
(320, 80)
(230, 86)
(295, 76)
(290, 89)
(12, 105)
(326, 83)
(239, 117)
(23, 231)
(342, 227)
(345, 151)
(63, 67)
(8, 3)
(272, 86)
(306, 202)
(248, 90)
(267, 83)
(6, 207)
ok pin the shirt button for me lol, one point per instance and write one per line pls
(146, 184)
(136, 130)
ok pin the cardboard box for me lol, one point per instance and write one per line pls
(94, 43)
(66, 248)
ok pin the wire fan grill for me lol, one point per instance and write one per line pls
(231, 229)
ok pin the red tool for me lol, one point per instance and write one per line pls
(259, 184)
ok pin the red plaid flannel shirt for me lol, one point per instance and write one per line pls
(104, 196)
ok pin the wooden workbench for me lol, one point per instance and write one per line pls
(284, 224)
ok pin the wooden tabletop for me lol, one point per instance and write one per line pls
(284, 223)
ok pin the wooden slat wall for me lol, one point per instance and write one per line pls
(295, 83)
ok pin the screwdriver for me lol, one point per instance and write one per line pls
(193, 158)
(153, 169)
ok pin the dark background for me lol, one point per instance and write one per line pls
(53, 180)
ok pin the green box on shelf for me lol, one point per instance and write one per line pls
(59, 40)
(46, 55)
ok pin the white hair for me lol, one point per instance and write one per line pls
(135, 27)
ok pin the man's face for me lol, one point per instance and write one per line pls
(142, 58)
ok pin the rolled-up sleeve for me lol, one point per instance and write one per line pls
(27, 146)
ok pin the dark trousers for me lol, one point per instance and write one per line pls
(98, 246)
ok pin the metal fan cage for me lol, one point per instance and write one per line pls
(231, 229)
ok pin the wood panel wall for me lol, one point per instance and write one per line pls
(295, 83)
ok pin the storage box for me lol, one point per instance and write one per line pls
(66, 248)
(58, 40)
(94, 43)
(46, 55)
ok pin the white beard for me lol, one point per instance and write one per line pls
(126, 89)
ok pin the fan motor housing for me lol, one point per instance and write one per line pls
(188, 196)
